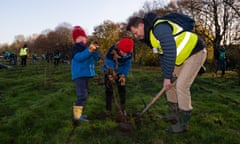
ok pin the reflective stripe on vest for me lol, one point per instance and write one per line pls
(185, 41)
(23, 51)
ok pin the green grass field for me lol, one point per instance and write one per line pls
(36, 108)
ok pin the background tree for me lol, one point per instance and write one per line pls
(64, 38)
(216, 20)
(218, 17)
(107, 34)
(58, 39)
(41, 44)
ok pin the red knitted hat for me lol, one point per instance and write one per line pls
(126, 45)
(78, 31)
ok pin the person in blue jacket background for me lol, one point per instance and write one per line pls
(118, 62)
(82, 69)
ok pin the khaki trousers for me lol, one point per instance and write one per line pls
(186, 74)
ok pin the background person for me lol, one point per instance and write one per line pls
(23, 54)
(221, 60)
(56, 57)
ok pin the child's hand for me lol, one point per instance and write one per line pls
(92, 48)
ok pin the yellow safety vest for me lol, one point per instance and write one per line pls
(23, 51)
(185, 41)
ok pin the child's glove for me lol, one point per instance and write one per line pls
(115, 55)
(111, 75)
(122, 79)
(111, 78)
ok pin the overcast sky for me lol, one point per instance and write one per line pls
(29, 17)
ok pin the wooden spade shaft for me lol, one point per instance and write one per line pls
(158, 95)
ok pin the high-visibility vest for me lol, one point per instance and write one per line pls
(185, 41)
(23, 51)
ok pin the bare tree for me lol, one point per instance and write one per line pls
(19, 38)
(64, 40)
(218, 17)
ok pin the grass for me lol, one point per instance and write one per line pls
(36, 107)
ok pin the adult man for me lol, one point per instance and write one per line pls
(181, 53)
(23, 55)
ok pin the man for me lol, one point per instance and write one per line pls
(221, 62)
(181, 53)
(13, 58)
(34, 58)
(56, 57)
(117, 65)
(23, 55)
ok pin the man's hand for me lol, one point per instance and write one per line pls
(167, 84)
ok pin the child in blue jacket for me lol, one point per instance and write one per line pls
(82, 68)
(117, 65)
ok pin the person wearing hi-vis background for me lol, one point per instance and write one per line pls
(82, 68)
(182, 53)
(23, 54)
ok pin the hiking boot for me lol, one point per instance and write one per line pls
(182, 124)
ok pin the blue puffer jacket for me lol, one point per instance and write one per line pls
(83, 61)
(124, 63)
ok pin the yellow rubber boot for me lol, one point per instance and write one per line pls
(77, 115)
(77, 112)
